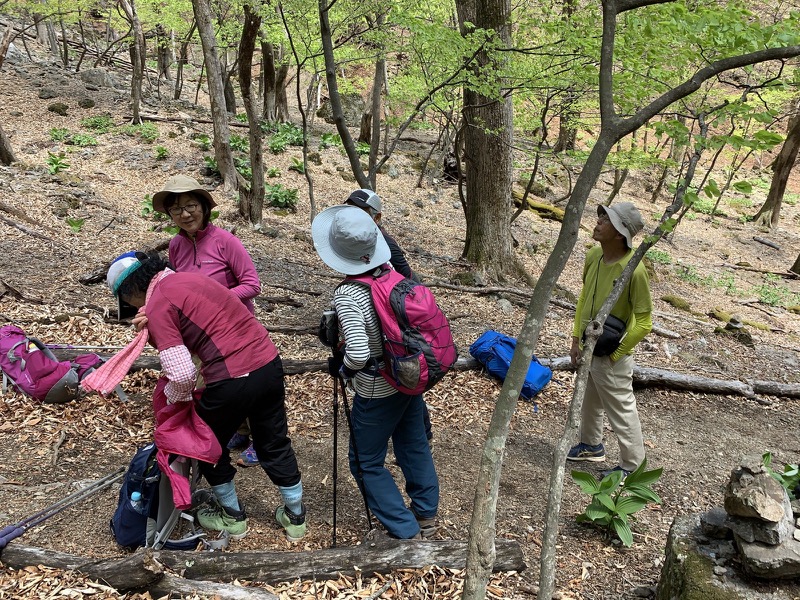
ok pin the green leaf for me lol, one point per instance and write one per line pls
(645, 493)
(597, 513)
(606, 501)
(644, 477)
(586, 481)
(712, 189)
(611, 481)
(768, 138)
(630, 505)
(743, 186)
(624, 532)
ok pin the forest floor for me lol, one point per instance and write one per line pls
(74, 221)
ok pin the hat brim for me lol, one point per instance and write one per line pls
(616, 222)
(160, 197)
(320, 233)
(359, 203)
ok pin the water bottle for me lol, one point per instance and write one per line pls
(136, 501)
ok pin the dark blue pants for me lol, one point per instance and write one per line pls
(260, 398)
(398, 417)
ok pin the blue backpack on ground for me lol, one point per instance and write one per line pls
(146, 514)
(494, 351)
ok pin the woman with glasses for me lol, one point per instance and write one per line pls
(203, 248)
(200, 246)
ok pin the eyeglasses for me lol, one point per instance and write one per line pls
(176, 211)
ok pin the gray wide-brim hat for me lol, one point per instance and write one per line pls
(348, 240)
(180, 184)
(625, 218)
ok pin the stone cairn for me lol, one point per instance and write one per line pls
(732, 552)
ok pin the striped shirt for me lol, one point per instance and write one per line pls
(361, 330)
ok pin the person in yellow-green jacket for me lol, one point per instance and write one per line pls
(609, 389)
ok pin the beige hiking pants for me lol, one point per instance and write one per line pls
(610, 390)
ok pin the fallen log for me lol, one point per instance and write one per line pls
(378, 554)
(642, 376)
(139, 571)
(143, 569)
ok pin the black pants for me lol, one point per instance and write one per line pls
(259, 397)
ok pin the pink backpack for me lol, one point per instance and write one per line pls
(418, 347)
(32, 368)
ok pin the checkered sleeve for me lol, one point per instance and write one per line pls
(177, 365)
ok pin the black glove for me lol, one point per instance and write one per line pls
(334, 364)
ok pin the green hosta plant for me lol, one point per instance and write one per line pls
(56, 162)
(161, 153)
(615, 498)
(297, 165)
(280, 196)
(789, 478)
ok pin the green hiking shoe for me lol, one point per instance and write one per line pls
(220, 518)
(294, 525)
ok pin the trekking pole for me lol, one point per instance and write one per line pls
(12, 532)
(335, 452)
(359, 472)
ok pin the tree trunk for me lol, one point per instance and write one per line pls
(164, 51)
(333, 90)
(268, 81)
(769, 213)
(46, 32)
(216, 92)
(487, 154)
(6, 153)
(375, 109)
(252, 199)
(567, 132)
(137, 51)
(489, 172)
(796, 266)
(281, 99)
(183, 58)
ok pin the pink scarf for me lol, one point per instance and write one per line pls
(113, 371)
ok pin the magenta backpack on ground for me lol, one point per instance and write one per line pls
(418, 346)
(32, 368)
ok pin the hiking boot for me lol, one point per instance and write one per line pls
(427, 527)
(248, 458)
(294, 525)
(603, 474)
(221, 518)
(587, 452)
(238, 440)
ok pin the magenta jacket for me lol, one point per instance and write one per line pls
(180, 431)
(218, 254)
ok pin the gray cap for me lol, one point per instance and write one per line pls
(348, 240)
(366, 199)
(625, 218)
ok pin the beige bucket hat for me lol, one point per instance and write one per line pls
(180, 184)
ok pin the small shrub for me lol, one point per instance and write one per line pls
(161, 153)
(240, 143)
(329, 140)
(242, 165)
(81, 140)
(241, 117)
(75, 223)
(362, 148)
(789, 478)
(660, 257)
(286, 134)
(147, 210)
(98, 124)
(277, 145)
(689, 274)
(772, 293)
(203, 141)
(211, 165)
(148, 132)
(280, 196)
(297, 165)
(615, 499)
(59, 134)
(56, 163)
(273, 172)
